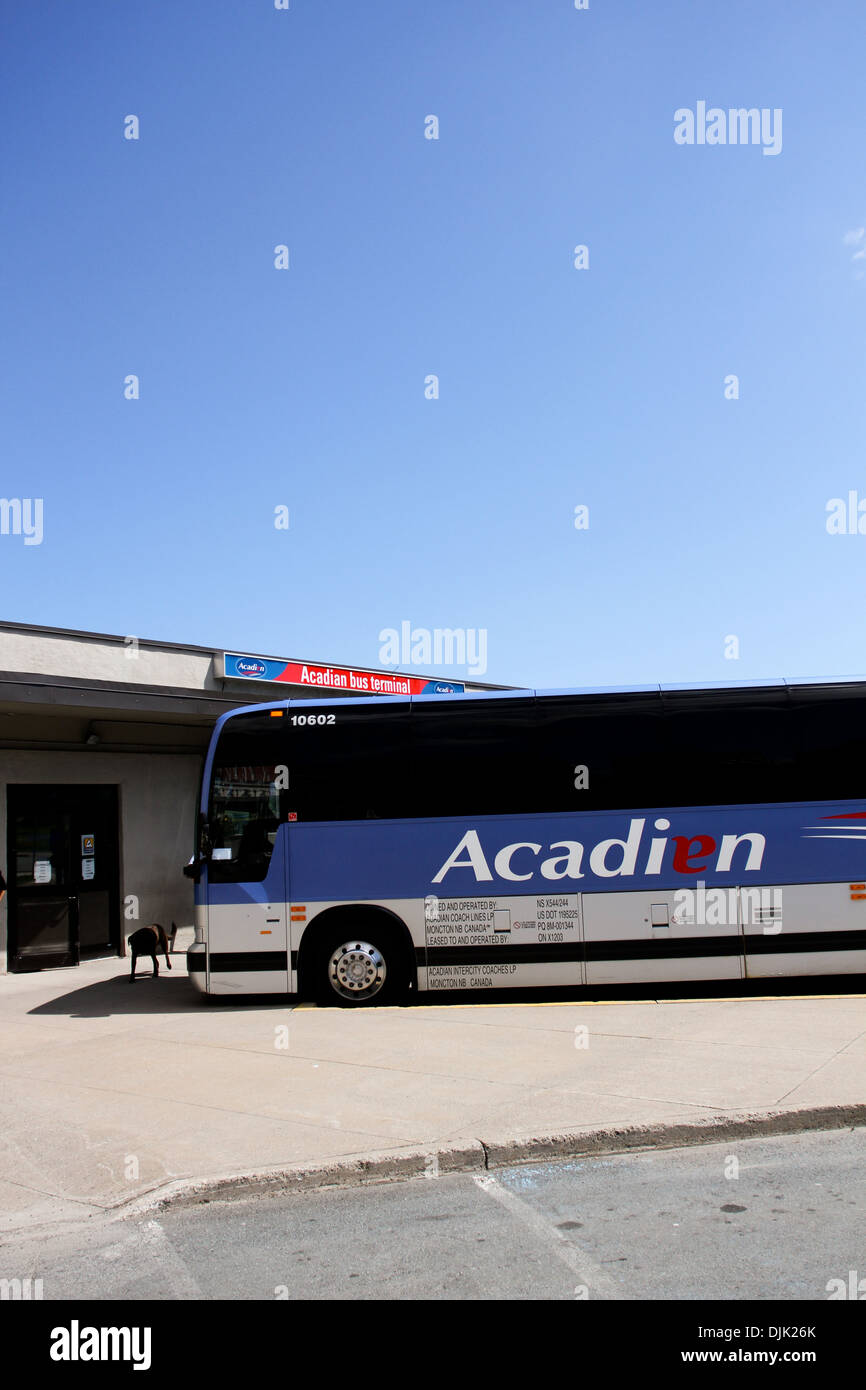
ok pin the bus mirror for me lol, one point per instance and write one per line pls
(193, 870)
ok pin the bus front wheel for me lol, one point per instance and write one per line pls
(365, 967)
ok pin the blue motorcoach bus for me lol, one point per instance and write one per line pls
(360, 851)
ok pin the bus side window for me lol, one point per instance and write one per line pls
(354, 769)
(472, 758)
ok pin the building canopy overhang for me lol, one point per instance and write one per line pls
(66, 689)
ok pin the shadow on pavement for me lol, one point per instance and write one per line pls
(117, 998)
(173, 995)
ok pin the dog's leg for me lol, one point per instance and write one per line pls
(132, 976)
(155, 966)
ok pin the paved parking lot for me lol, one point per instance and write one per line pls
(110, 1093)
(760, 1219)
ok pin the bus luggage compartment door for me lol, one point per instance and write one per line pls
(804, 929)
(632, 937)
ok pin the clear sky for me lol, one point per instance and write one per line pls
(410, 257)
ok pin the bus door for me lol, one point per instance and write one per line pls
(247, 918)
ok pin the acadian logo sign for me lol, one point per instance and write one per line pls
(613, 858)
(585, 852)
(358, 682)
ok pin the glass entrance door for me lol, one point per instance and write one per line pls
(63, 875)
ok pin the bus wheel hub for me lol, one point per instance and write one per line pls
(357, 970)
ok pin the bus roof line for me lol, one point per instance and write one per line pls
(685, 687)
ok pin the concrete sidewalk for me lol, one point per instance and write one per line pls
(110, 1092)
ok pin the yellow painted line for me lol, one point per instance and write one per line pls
(550, 1004)
(604, 1003)
(589, 1003)
(759, 998)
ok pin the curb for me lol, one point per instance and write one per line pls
(483, 1155)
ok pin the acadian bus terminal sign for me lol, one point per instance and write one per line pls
(259, 668)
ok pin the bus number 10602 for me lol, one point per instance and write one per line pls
(313, 719)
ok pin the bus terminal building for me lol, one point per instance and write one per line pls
(102, 742)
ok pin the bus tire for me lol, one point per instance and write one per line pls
(359, 964)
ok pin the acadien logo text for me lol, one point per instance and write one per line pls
(77, 1343)
(608, 859)
(736, 126)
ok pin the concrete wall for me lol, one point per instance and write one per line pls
(157, 796)
(92, 659)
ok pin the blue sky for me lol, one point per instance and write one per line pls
(408, 257)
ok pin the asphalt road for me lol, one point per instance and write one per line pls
(757, 1219)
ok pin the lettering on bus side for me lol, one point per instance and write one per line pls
(612, 858)
(527, 920)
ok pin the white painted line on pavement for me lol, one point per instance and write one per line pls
(172, 1271)
(589, 1274)
(148, 1251)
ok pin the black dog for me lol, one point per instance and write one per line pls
(147, 941)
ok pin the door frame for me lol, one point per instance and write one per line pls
(17, 792)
